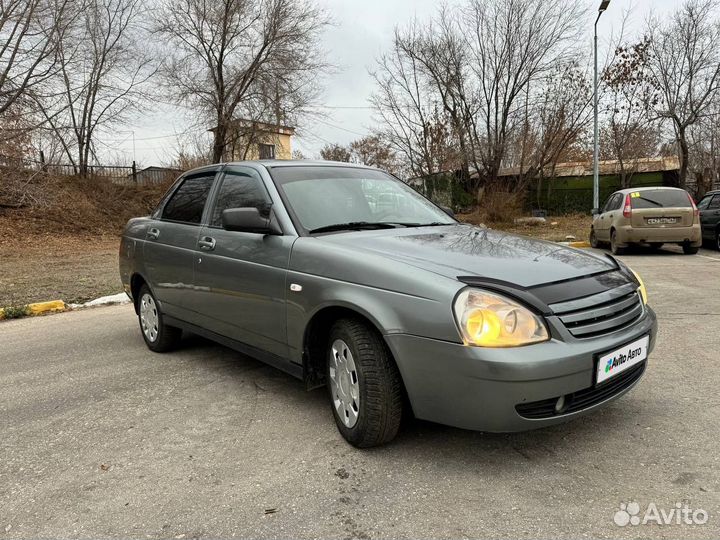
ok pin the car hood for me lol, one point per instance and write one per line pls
(468, 251)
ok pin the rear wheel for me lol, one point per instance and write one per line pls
(616, 250)
(158, 336)
(717, 239)
(690, 250)
(364, 384)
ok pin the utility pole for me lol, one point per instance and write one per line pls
(596, 150)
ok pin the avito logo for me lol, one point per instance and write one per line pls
(620, 359)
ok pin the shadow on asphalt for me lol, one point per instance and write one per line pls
(424, 440)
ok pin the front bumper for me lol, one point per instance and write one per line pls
(643, 235)
(478, 388)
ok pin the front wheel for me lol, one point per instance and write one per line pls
(593, 239)
(364, 384)
(717, 239)
(158, 336)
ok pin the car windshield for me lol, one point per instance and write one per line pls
(660, 198)
(325, 198)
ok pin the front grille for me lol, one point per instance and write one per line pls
(582, 399)
(600, 313)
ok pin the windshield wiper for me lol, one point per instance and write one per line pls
(650, 201)
(431, 224)
(355, 226)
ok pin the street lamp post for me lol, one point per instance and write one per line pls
(596, 150)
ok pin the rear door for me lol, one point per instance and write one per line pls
(661, 208)
(240, 276)
(709, 215)
(605, 219)
(171, 240)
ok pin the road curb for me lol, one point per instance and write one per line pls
(582, 244)
(37, 308)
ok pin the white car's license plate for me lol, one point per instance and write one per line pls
(622, 359)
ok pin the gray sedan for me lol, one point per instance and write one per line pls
(345, 277)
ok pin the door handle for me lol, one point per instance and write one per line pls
(207, 243)
(153, 234)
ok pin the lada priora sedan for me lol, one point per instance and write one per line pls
(344, 276)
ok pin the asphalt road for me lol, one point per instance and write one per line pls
(101, 438)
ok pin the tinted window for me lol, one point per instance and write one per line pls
(660, 198)
(188, 201)
(703, 204)
(715, 203)
(239, 190)
(613, 202)
(324, 196)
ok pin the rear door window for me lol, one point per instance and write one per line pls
(660, 198)
(715, 203)
(186, 205)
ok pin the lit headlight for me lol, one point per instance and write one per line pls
(642, 289)
(487, 319)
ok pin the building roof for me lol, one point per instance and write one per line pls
(608, 167)
(261, 126)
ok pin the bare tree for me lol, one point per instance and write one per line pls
(476, 63)
(254, 59)
(631, 95)
(373, 151)
(102, 74)
(30, 31)
(408, 107)
(335, 152)
(685, 67)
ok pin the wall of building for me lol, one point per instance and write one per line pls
(282, 142)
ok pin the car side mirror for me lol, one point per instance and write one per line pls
(595, 211)
(448, 211)
(250, 220)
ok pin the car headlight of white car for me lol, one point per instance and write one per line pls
(488, 319)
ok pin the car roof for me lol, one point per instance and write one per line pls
(649, 188)
(299, 163)
(270, 163)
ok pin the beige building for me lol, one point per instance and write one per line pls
(258, 140)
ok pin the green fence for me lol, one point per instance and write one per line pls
(575, 194)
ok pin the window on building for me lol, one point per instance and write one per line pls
(266, 151)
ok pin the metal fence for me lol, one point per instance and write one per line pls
(118, 174)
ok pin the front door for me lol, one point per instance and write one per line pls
(240, 277)
(709, 215)
(170, 243)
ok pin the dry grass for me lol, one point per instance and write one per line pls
(62, 242)
(555, 229)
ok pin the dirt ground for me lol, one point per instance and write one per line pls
(555, 229)
(70, 268)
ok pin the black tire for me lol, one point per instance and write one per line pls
(593, 239)
(717, 239)
(690, 250)
(616, 250)
(165, 338)
(380, 407)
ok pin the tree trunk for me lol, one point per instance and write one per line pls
(684, 153)
(219, 142)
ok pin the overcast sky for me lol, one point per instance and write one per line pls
(363, 28)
